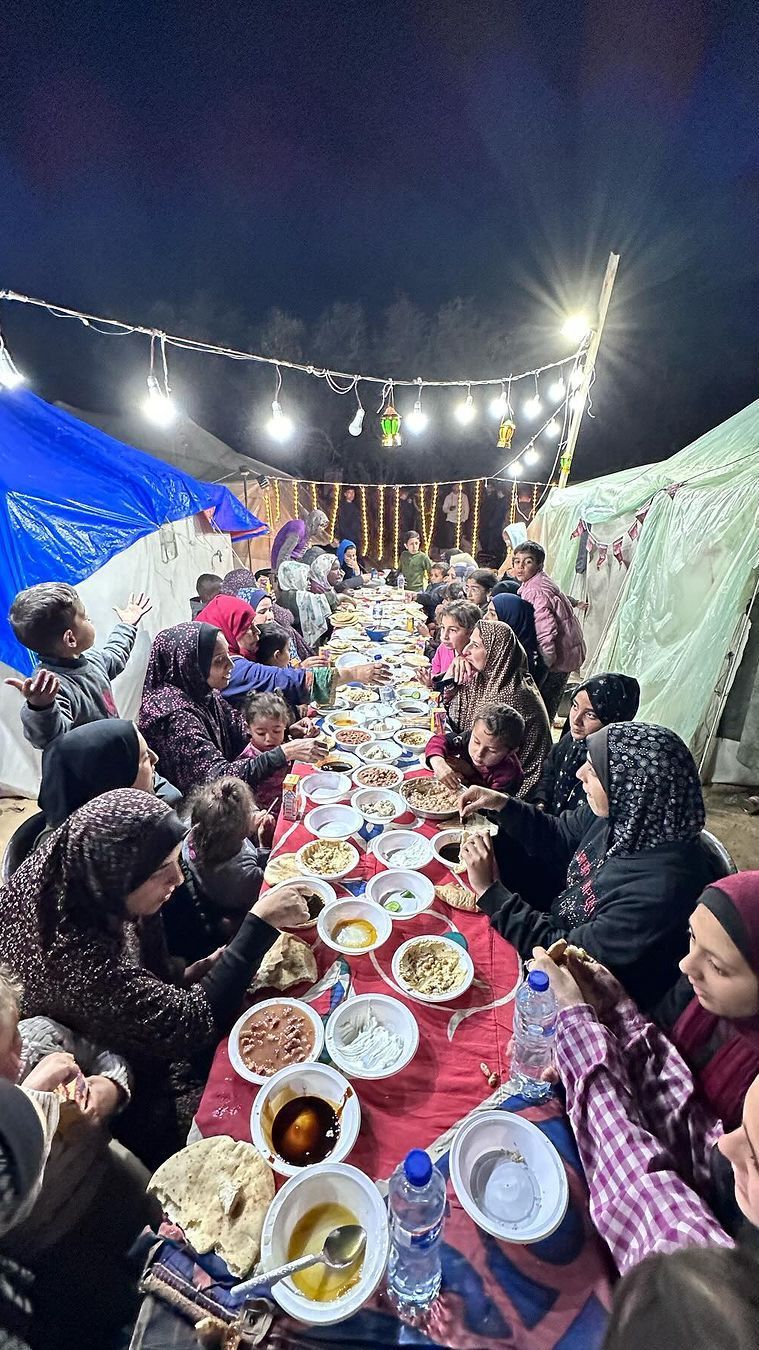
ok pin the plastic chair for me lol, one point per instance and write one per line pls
(720, 862)
(21, 843)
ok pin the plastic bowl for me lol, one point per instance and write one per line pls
(364, 799)
(304, 1080)
(353, 909)
(362, 737)
(324, 787)
(409, 734)
(340, 758)
(448, 997)
(380, 752)
(322, 888)
(377, 634)
(336, 1183)
(303, 861)
(351, 1015)
(350, 659)
(397, 777)
(545, 1186)
(233, 1045)
(391, 886)
(439, 841)
(391, 847)
(333, 821)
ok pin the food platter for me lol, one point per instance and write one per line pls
(430, 799)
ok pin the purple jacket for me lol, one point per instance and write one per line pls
(560, 638)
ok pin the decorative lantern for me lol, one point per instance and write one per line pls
(505, 433)
(391, 427)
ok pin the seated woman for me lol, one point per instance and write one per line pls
(95, 758)
(317, 535)
(80, 924)
(458, 620)
(311, 607)
(492, 670)
(645, 1134)
(487, 757)
(595, 703)
(347, 558)
(244, 585)
(670, 1300)
(505, 607)
(634, 864)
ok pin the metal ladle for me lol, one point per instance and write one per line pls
(342, 1247)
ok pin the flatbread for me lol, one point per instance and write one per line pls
(562, 951)
(283, 867)
(288, 962)
(218, 1191)
(458, 897)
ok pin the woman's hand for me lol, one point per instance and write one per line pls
(373, 672)
(304, 728)
(52, 1071)
(479, 859)
(315, 662)
(597, 985)
(481, 799)
(285, 909)
(458, 671)
(195, 972)
(567, 991)
(304, 750)
(444, 773)
(104, 1097)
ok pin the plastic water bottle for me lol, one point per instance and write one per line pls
(534, 1027)
(400, 582)
(416, 1203)
(376, 614)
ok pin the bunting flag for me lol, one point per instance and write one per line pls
(617, 551)
(580, 528)
(603, 550)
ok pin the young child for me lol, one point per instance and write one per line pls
(560, 639)
(478, 586)
(69, 688)
(273, 646)
(218, 851)
(269, 720)
(207, 587)
(414, 565)
(487, 757)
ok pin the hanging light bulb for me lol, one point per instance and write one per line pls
(553, 427)
(575, 327)
(10, 377)
(577, 401)
(500, 405)
(532, 407)
(417, 420)
(576, 378)
(356, 425)
(159, 406)
(466, 411)
(516, 469)
(558, 390)
(530, 455)
(280, 427)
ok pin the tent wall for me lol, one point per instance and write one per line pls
(272, 508)
(165, 565)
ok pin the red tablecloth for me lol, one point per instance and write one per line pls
(418, 1106)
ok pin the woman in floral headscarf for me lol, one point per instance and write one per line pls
(634, 863)
(595, 703)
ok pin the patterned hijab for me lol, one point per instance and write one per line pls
(652, 783)
(87, 761)
(252, 595)
(231, 615)
(613, 698)
(313, 610)
(91, 863)
(234, 581)
(318, 573)
(178, 669)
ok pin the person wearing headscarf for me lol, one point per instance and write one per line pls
(235, 619)
(91, 760)
(195, 733)
(80, 925)
(349, 566)
(289, 543)
(317, 536)
(513, 535)
(507, 586)
(491, 672)
(596, 702)
(313, 611)
(233, 581)
(633, 859)
(505, 607)
(268, 611)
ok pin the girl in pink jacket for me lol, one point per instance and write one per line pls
(560, 638)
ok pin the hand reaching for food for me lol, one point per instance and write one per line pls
(287, 908)
(479, 860)
(481, 799)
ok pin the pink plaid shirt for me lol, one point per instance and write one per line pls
(640, 1130)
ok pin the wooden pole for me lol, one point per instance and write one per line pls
(590, 362)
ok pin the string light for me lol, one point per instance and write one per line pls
(553, 427)
(364, 522)
(476, 515)
(333, 513)
(500, 405)
(280, 426)
(465, 412)
(577, 401)
(576, 328)
(576, 378)
(459, 504)
(267, 504)
(530, 455)
(314, 497)
(533, 405)
(159, 405)
(423, 516)
(557, 390)
(10, 375)
(396, 523)
(534, 506)
(276, 499)
(380, 522)
(433, 511)
(513, 504)
(296, 499)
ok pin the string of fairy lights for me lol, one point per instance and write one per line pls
(554, 390)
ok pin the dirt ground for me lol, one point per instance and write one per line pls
(726, 817)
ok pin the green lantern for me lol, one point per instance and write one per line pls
(391, 427)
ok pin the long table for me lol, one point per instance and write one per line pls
(552, 1295)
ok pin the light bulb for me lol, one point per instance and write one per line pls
(553, 427)
(358, 421)
(557, 391)
(159, 406)
(575, 327)
(417, 420)
(280, 426)
(577, 401)
(531, 455)
(466, 411)
(515, 469)
(576, 378)
(532, 407)
(10, 377)
(499, 406)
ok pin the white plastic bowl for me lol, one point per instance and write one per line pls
(388, 846)
(333, 821)
(365, 798)
(302, 856)
(352, 1015)
(321, 788)
(439, 841)
(340, 757)
(466, 963)
(304, 1080)
(390, 768)
(366, 713)
(353, 909)
(233, 1046)
(490, 1131)
(406, 732)
(337, 1183)
(350, 659)
(321, 887)
(391, 751)
(385, 885)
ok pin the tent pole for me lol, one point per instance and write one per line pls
(590, 363)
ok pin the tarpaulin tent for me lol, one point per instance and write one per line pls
(669, 568)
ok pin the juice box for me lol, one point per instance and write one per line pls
(290, 803)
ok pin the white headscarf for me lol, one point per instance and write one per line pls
(313, 610)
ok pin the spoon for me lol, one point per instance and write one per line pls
(342, 1247)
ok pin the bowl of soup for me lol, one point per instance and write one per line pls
(305, 1115)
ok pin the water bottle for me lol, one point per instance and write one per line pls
(376, 614)
(416, 1203)
(400, 582)
(534, 1027)
(373, 574)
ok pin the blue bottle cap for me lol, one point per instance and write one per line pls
(418, 1167)
(538, 980)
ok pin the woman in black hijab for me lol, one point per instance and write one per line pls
(92, 759)
(596, 703)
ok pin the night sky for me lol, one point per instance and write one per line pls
(200, 164)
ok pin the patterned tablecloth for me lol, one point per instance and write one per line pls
(549, 1295)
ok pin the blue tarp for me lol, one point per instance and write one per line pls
(72, 497)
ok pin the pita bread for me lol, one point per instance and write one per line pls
(458, 897)
(288, 962)
(218, 1191)
(282, 868)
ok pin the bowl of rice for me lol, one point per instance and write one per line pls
(431, 969)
